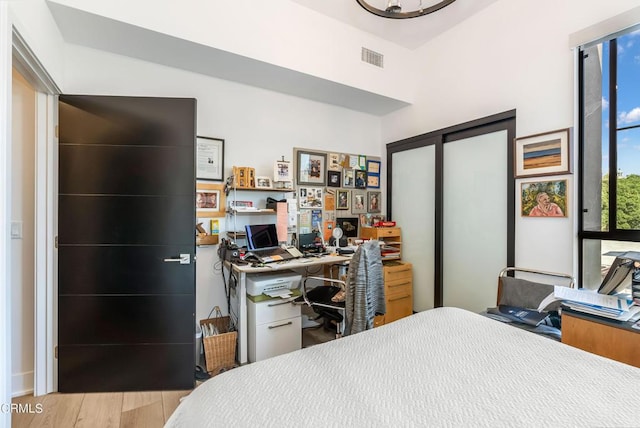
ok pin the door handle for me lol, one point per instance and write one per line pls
(184, 259)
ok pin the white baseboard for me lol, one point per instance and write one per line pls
(21, 384)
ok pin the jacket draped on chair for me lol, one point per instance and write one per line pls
(364, 289)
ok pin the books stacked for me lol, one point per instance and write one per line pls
(619, 307)
(389, 252)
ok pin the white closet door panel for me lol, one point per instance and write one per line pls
(413, 202)
(474, 220)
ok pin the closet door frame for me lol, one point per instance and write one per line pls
(487, 125)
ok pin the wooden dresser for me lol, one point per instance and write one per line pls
(398, 289)
(611, 339)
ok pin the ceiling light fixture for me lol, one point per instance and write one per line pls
(394, 9)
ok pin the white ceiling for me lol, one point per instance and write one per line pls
(410, 33)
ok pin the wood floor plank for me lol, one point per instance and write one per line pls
(170, 401)
(22, 419)
(100, 410)
(133, 400)
(147, 416)
(58, 410)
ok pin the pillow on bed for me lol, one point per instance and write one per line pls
(525, 294)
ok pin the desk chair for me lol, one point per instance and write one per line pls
(364, 292)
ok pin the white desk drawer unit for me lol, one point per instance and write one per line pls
(275, 327)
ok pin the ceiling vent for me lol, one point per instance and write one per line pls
(373, 57)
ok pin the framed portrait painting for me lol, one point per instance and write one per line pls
(360, 179)
(544, 199)
(312, 168)
(334, 179)
(542, 154)
(342, 200)
(373, 202)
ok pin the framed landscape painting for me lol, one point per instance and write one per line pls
(542, 154)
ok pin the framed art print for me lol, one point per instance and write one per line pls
(310, 197)
(358, 202)
(373, 167)
(373, 174)
(209, 158)
(361, 179)
(543, 199)
(542, 154)
(362, 162)
(282, 171)
(210, 200)
(334, 162)
(263, 183)
(342, 198)
(373, 181)
(312, 168)
(334, 179)
(373, 202)
(348, 178)
(349, 226)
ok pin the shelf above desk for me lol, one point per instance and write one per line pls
(252, 212)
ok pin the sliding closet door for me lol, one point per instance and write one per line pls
(452, 192)
(415, 214)
(474, 219)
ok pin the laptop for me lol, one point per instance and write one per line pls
(262, 242)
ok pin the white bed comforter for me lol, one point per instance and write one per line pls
(442, 367)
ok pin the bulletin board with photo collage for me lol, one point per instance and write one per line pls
(337, 189)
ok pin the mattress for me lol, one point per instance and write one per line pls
(441, 367)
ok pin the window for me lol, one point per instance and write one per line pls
(609, 153)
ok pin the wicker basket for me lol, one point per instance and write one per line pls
(220, 349)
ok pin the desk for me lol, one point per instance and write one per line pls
(241, 291)
(609, 338)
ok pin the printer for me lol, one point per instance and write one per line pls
(272, 283)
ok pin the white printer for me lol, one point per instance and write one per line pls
(272, 283)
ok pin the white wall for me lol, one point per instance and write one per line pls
(33, 21)
(513, 54)
(23, 249)
(278, 32)
(258, 126)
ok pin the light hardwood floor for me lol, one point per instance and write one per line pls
(104, 410)
(147, 409)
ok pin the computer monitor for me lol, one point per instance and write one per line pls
(261, 236)
(307, 242)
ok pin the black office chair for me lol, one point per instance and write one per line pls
(363, 288)
(319, 299)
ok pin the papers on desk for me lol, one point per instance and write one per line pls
(618, 307)
(283, 293)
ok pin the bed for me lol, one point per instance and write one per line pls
(441, 367)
